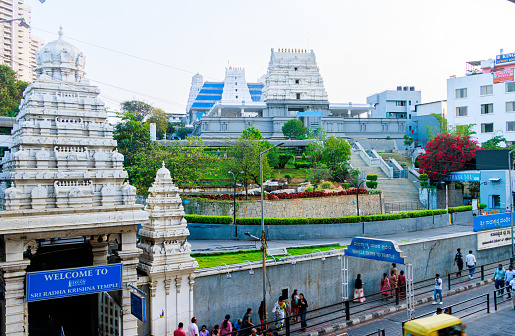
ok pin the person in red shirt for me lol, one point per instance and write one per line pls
(179, 331)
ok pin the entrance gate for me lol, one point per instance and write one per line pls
(380, 250)
(109, 316)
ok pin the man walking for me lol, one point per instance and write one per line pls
(438, 289)
(510, 274)
(179, 331)
(471, 263)
(512, 284)
(458, 259)
(193, 328)
(499, 276)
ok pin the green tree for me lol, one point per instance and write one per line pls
(294, 129)
(494, 143)
(408, 141)
(132, 136)
(252, 133)
(336, 152)
(11, 91)
(158, 117)
(137, 109)
(183, 132)
(315, 151)
(319, 172)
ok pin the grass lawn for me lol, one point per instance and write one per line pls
(206, 260)
(299, 175)
(402, 159)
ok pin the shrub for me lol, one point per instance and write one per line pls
(374, 191)
(460, 208)
(423, 177)
(371, 184)
(372, 177)
(309, 189)
(302, 164)
(482, 206)
(327, 185)
(303, 157)
(345, 186)
(208, 219)
(220, 197)
(288, 177)
(284, 159)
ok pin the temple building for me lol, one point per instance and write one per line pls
(292, 88)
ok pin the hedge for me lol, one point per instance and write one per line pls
(465, 208)
(318, 220)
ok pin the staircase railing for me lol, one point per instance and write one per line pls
(383, 165)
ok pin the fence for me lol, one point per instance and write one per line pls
(394, 207)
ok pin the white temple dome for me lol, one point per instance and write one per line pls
(60, 60)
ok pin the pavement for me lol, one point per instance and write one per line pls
(199, 246)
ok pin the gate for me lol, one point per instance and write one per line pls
(109, 316)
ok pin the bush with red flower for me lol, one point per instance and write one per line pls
(447, 153)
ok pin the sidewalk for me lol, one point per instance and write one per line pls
(234, 245)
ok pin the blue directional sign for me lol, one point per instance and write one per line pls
(464, 176)
(138, 306)
(489, 222)
(73, 281)
(375, 249)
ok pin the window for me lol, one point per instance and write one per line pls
(510, 106)
(295, 68)
(486, 90)
(510, 126)
(461, 93)
(297, 81)
(236, 90)
(236, 83)
(487, 108)
(496, 201)
(461, 111)
(236, 97)
(298, 95)
(510, 87)
(410, 102)
(400, 103)
(487, 128)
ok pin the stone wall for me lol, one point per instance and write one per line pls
(317, 231)
(320, 280)
(332, 206)
(455, 197)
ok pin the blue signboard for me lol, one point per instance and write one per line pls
(138, 306)
(505, 58)
(73, 281)
(464, 176)
(375, 249)
(489, 222)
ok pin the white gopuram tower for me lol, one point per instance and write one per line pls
(166, 257)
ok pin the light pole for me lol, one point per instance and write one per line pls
(234, 202)
(22, 22)
(511, 205)
(357, 198)
(263, 237)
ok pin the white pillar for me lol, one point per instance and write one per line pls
(16, 313)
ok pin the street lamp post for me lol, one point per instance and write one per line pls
(22, 22)
(234, 202)
(357, 198)
(511, 204)
(263, 237)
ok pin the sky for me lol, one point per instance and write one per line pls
(149, 50)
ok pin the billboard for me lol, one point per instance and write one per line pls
(503, 76)
(505, 58)
(464, 176)
(492, 159)
(489, 222)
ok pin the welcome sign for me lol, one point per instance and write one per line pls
(73, 281)
(375, 249)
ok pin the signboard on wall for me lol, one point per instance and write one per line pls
(503, 76)
(464, 176)
(488, 222)
(73, 281)
(375, 249)
(505, 58)
(138, 306)
(493, 238)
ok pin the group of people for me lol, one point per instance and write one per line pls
(470, 260)
(389, 286)
(504, 279)
(246, 327)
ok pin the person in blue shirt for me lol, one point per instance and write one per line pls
(510, 275)
(499, 276)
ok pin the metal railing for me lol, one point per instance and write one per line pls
(394, 207)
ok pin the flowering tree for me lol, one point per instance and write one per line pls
(447, 153)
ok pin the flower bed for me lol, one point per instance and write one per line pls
(318, 193)
(221, 197)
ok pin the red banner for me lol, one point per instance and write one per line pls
(503, 76)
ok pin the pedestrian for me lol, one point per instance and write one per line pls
(203, 331)
(510, 274)
(438, 289)
(279, 311)
(470, 259)
(254, 332)
(261, 313)
(458, 260)
(439, 311)
(447, 311)
(359, 295)
(216, 330)
(512, 284)
(394, 269)
(393, 283)
(295, 304)
(303, 309)
(179, 331)
(499, 276)
(226, 328)
(193, 328)
(401, 283)
(385, 287)
(237, 325)
(246, 323)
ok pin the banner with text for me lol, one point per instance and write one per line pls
(489, 222)
(375, 249)
(73, 281)
(464, 176)
(503, 76)
(505, 58)
(493, 238)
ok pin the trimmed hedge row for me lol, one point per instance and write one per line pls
(318, 220)
(465, 208)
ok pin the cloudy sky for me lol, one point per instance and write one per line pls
(149, 50)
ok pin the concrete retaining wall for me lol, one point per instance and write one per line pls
(320, 281)
(316, 231)
(333, 206)
(462, 217)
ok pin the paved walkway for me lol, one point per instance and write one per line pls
(234, 245)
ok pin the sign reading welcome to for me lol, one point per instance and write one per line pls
(489, 222)
(375, 249)
(73, 281)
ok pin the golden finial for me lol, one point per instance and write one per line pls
(288, 49)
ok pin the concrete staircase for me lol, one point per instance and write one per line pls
(401, 194)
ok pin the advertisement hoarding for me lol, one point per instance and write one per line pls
(505, 58)
(503, 76)
(464, 176)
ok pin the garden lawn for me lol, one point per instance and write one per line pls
(300, 174)
(206, 260)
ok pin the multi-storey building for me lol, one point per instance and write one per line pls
(398, 103)
(18, 46)
(485, 98)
